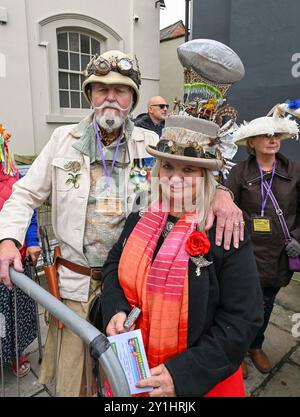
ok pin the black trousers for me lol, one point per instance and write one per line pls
(269, 295)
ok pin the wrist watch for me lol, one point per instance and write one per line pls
(222, 187)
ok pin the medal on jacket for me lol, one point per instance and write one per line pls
(109, 204)
(262, 223)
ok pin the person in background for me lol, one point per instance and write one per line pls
(155, 118)
(200, 305)
(25, 307)
(267, 170)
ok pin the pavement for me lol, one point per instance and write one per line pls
(282, 345)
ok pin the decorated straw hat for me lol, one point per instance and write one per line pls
(113, 67)
(190, 140)
(274, 122)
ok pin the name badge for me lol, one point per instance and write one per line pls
(261, 225)
(109, 206)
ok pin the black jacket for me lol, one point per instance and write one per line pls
(145, 121)
(269, 249)
(225, 313)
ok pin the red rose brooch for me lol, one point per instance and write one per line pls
(198, 245)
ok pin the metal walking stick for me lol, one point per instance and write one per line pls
(16, 338)
(2, 336)
(35, 278)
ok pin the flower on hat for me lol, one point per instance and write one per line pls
(197, 244)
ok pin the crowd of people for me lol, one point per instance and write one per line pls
(197, 267)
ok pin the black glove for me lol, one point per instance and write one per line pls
(293, 248)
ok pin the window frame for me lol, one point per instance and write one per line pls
(69, 71)
(47, 39)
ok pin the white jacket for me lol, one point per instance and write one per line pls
(47, 176)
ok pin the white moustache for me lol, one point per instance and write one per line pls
(111, 106)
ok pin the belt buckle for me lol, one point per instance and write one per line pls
(95, 272)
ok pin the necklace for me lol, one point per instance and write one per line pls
(170, 223)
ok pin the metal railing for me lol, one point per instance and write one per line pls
(98, 344)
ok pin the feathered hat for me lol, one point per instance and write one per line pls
(276, 121)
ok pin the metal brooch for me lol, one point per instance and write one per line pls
(73, 180)
(73, 166)
(200, 262)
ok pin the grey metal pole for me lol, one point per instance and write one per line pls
(86, 331)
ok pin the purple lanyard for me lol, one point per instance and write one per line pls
(107, 174)
(269, 185)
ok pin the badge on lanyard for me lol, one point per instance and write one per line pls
(107, 202)
(261, 224)
(110, 206)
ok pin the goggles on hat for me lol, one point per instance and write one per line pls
(191, 149)
(100, 67)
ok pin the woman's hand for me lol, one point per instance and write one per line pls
(116, 324)
(33, 252)
(230, 220)
(161, 381)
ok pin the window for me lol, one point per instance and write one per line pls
(74, 53)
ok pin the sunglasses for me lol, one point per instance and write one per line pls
(161, 106)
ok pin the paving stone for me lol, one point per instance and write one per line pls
(289, 297)
(285, 383)
(282, 318)
(277, 343)
(42, 394)
(296, 357)
(28, 384)
(296, 276)
(255, 378)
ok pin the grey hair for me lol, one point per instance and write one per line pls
(209, 192)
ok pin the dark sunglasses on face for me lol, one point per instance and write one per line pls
(161, 106)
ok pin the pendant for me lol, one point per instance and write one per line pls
(200, 262)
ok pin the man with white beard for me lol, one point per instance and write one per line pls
(92, 171)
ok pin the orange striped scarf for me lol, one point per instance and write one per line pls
(159, 289)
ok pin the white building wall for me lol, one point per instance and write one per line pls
(29, 105)
(171, 71)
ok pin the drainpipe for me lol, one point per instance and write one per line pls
(187, 20)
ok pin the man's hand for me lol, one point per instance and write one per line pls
(116, 324)
(34, 253)
(229, 219)
(9, 255)
(161, 381)
(293, 248)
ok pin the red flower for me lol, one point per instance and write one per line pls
(197, 244)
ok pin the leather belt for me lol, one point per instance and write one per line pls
(94, 273)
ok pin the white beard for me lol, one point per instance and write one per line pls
(110, 121)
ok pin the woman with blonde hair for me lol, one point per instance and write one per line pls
(197, 300)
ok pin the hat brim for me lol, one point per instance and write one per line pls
(210, 164)
(111, 78)
(243, 141)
